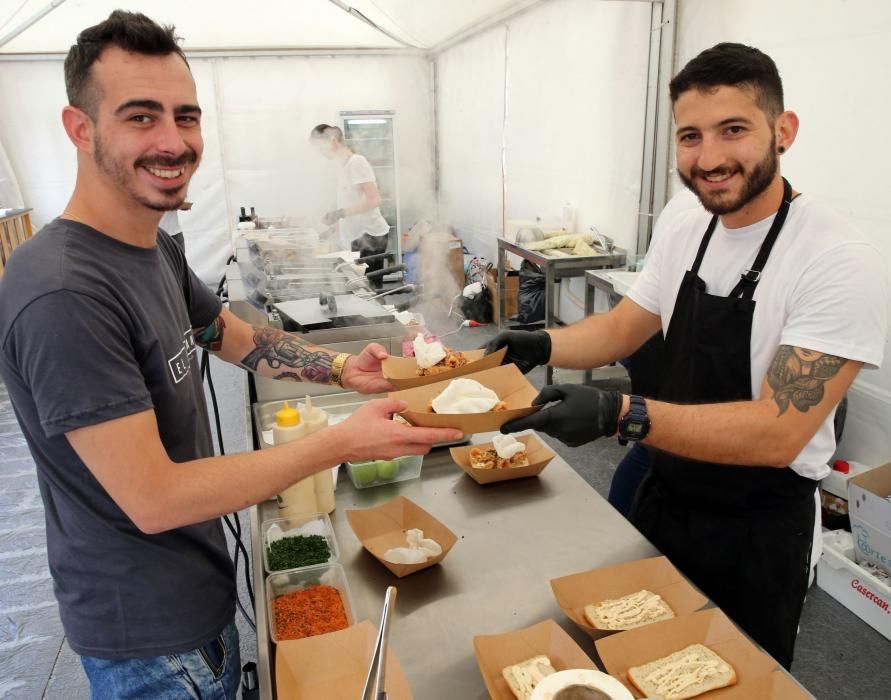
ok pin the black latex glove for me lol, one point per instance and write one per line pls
(527, 350)
(583, 414)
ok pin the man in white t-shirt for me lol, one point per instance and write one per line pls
(770, 304)
(362, 227)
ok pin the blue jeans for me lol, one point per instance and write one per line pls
(630, 472)
(212, 672)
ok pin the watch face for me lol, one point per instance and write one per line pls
(633, 428)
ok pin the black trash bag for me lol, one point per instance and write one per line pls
(478, 308)
(531, 297)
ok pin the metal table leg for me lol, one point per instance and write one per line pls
(549, 313)
(501, 290)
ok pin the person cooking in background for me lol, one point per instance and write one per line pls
(770, 305)
(362, 227)
(100, 320)
(170, 224)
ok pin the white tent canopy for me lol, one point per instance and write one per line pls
(230, 24)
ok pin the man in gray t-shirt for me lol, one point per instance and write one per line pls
(100, 321)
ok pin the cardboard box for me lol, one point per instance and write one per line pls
(539, 457)
(383, 528)
(709, 627)
(334, 666)
(506, 381)
(494, 652)
(870, 514)
(859, 591)
(442, 265)
(402, 372)
(511, 293)
(657, 575)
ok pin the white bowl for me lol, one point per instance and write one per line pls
(550, 685)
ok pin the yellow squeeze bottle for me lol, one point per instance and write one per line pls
(301, 497)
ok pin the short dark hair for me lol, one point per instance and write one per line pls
(326, 131)
(130, 31)
(734, 65)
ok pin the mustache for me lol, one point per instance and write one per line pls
(724, 170)
(166, 162)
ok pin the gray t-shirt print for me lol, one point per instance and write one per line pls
(92, 329)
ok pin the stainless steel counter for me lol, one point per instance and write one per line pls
(513, 537)
(554, 269)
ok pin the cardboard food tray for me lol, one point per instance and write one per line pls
(401, 372)
(539, 457)
(775, 686)
(334, 666)
(656, 575)
(506, 381)
(494, 652)
(383, 527)
(709, 627)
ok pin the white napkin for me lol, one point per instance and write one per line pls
(506, 446)
(427, 354)
(465, 396)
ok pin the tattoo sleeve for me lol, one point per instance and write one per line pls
(211, 337)
(797, 377)
(297, 361)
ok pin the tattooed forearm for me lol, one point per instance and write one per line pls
(797, 377)
(298, 361)
(211, 337)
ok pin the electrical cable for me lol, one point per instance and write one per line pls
(236, 529)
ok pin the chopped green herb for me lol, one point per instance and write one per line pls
(293, 552)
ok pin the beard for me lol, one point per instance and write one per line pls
(123, 176)
(755, 182)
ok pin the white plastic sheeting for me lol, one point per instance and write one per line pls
(271, 23)
(569, 124)
(828, 54)
(258, 113)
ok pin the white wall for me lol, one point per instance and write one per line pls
(257, 116)
(570, 122)
(832, 55)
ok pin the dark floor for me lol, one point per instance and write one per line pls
(838, 657)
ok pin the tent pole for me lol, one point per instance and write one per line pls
(657, 122)
(34, 19)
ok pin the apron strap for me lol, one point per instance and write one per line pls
(749, 279)
(704, 245)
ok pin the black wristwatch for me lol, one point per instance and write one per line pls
(635, 425)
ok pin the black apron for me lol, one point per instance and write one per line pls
(742, 534)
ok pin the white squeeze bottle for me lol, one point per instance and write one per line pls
(301, 497)
(316, 419)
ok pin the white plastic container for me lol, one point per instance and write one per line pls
(837, 481)
(384, 471)
(286, 524)
(300, 579)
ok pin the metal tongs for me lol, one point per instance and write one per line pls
(375, 682)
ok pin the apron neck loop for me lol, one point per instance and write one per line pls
(749, 279)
